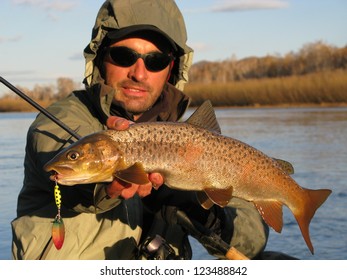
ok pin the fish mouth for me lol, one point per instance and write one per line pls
(54, 176)
(58, 170)
(70, 175)
(68, 179)
(64, 175)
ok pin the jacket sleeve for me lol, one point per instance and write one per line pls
(45, 139)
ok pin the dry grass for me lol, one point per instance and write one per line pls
(318, 88)
(322, 88)
(10, 104)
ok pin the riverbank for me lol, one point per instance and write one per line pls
(326, 89)
(16, 104)
(321, 88)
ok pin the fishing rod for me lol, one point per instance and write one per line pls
(39, 108)
(208, 237)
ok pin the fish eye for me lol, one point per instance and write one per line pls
(73, 155)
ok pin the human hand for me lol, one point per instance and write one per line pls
(124, 189)
(127, 190)
(118, 123)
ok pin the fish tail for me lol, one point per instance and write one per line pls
(315, 198)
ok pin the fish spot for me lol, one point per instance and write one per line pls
(261, 210)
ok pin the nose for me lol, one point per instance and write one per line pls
(138, 71)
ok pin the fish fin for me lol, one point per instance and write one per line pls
(304, 215)
(271, 211)
(204, 200)
(205, 117)
(220, 197)
(134, 174)
(285, 165)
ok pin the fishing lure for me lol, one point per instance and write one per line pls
(58, 228)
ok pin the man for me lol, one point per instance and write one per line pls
(136, 63)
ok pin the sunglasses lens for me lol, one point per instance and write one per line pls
(122, 56)
(125, 57)
(157, 61)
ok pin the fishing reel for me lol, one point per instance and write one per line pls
(156, 248)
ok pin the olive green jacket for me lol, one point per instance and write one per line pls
(96, 226)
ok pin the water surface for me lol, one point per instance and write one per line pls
(312, 139)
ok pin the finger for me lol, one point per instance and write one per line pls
(129, 192)
(144, 190)
(156, 179)
(116, 187)
(117, 123)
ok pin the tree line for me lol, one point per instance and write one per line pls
(64, 86)
(312, 57)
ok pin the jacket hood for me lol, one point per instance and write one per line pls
(120, 14)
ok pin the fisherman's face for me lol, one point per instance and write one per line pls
(137, 88)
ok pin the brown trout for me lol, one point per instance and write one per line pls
(191, 155)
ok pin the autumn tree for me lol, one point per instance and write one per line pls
(311, 58)
(64, 87)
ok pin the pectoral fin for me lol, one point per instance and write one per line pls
(134, 174)
(271, 211)
(220, 197)
(204, 200)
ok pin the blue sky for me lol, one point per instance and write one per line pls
(41, 40)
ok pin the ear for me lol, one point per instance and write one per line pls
(99, 61)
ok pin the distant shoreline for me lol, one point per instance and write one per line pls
(294, 105)
(321, 89)
(21, 107)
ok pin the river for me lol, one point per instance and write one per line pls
(312, 139)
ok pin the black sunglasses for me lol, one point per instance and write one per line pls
(125, 57)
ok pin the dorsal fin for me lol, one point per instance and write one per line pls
(205, 117)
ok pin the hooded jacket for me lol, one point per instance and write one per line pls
(96, 226)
